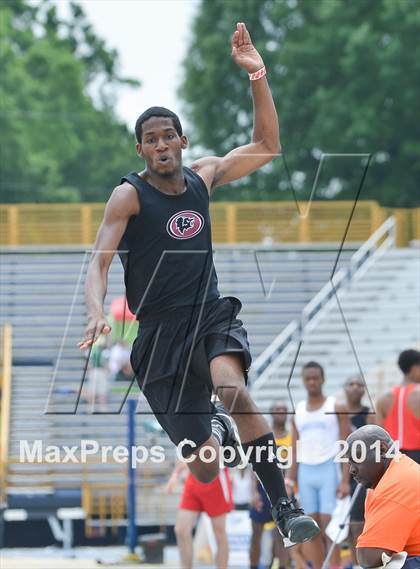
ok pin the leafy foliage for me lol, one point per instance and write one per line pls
(55, 143)
(345, 80)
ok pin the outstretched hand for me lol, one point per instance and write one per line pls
(244, 53)
(95, 327)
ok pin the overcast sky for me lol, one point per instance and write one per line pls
(151, 37)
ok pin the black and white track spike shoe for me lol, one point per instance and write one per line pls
(294, 526)
(231, 436)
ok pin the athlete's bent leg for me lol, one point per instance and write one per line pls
(255, 547)
(204, 461)
(184, 525)
(219, 529)
(228, 379)
(229, 384)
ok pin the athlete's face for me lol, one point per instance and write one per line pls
(161, 146)
(278, 413)
(313, 380)
(414, 373)
(354, 390)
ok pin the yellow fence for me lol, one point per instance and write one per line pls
(103, 502)
(232, 222)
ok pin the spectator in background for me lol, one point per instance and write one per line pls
(119, 357)
(215, 499)
(392, 508)
(319, 423)
(399, 410)
(354, 389)
(242, 484)
(260, 507)
(126, 373)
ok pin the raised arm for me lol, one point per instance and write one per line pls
(265, 144)
(122, 204)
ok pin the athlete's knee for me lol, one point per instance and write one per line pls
(205, 472)
(220, 535)
(243, 401)
(230, 390)
(207, 475)
(182, 532)
(237, 399)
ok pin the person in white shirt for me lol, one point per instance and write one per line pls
(242, 486)
(319, 423)
(119, 356)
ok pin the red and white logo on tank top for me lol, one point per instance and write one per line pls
(185, 224)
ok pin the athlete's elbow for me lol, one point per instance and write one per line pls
(272, 149)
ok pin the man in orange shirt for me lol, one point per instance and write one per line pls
(392, 508)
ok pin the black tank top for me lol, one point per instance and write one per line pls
(169, 259)
(360, 419)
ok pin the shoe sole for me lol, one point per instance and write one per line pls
(303, 534)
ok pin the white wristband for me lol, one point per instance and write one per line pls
(258, 74)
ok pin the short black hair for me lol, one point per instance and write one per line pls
(407, 359)
(315, 365)
(355, 377)
(156, 112)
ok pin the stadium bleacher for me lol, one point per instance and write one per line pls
(370, 321)
(42, 298)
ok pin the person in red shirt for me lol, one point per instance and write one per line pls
(392, 507)
(215, 499)
(399, 410)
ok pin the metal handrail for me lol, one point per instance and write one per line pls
(388, 226)
(296, 328)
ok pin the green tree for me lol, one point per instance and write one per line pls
(56, 144)
(344, 77)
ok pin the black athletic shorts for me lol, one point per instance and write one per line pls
(171, 356)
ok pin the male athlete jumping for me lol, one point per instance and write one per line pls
(190, 342)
